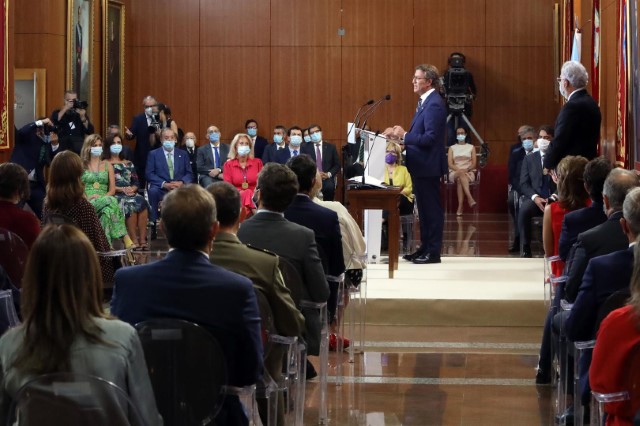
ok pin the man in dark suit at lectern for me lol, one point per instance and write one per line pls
(577, 128)
(426, 160)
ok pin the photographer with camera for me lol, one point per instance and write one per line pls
(72, 122)
(36, 145)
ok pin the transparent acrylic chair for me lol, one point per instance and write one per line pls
(321, 310)
(8, 315)
(72, 399)
(13, 255)
(187, 369)
(356, 311)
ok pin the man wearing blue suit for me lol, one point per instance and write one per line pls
(279, 144)
(322, 221)
(604, 276)
(281, 156)
(145, 140)
(426, 160)
(167, 168)
(185, 285)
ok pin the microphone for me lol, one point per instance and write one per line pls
(372, 109)
(366, 163)
(356, 119)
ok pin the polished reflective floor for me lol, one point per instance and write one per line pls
(434, 374)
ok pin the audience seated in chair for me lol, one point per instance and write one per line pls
(134, 205)
(462, 168)
(56, 291)
(100, 188)
(185, 285)
(517, 152)
(268, 229)
(261, 267)
(537, 187)
(325, 226)
(167, 168)
(211, 158)
(65, 196)
(241, 170)
(617, 339)
(603, 239)
(572, 195)
(588, 217)
(604, 276)
(14, 187)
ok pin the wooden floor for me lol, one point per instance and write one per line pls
(426, 374)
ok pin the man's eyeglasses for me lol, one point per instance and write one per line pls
(418, 78)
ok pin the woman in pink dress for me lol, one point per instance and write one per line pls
(462, 166)
(241, 170)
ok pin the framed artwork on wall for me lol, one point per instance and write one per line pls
(4, 102)
(113, 49)
(79, 48)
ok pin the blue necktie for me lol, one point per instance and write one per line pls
(419, 105)
(216, 156)
(295, 152)
(545, 187)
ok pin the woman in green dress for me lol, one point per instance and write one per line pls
(99, 187)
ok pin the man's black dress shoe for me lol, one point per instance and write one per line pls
(515, 247)
(543, 378)
(526, 251)
(413, 255)
(154, 231)
(427, 258)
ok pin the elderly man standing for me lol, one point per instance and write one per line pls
(577, 128)
(145, 139)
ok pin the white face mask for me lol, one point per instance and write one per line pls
(148, 111)
(190, 143)
(543, 144)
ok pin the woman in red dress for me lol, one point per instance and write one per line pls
(572, 195)
(241, 170)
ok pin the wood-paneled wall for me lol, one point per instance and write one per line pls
(283, 62)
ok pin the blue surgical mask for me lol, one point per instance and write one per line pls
(527, 144)
(295, 140)
(316, 137)
(214, 137)
(307, 138)
(460, 138)
(277, 139)
(96, 151)
(243, 150)
(115, 149)
(168, 145)
(543, 144)
(251, 131)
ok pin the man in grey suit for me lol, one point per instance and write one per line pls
(211, 157)
(536, 187)
(269, 230)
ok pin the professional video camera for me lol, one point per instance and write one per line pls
(458, 85)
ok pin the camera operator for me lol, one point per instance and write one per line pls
(72, 122)
(460, 91)
(36, 145)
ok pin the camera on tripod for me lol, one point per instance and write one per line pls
(458, 85)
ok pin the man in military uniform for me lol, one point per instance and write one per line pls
(261, 267)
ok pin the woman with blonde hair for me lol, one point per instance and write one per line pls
(241, 170)
(64, 327)
(100, 188)
(396, 174)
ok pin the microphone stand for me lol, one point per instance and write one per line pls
(356, 119)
